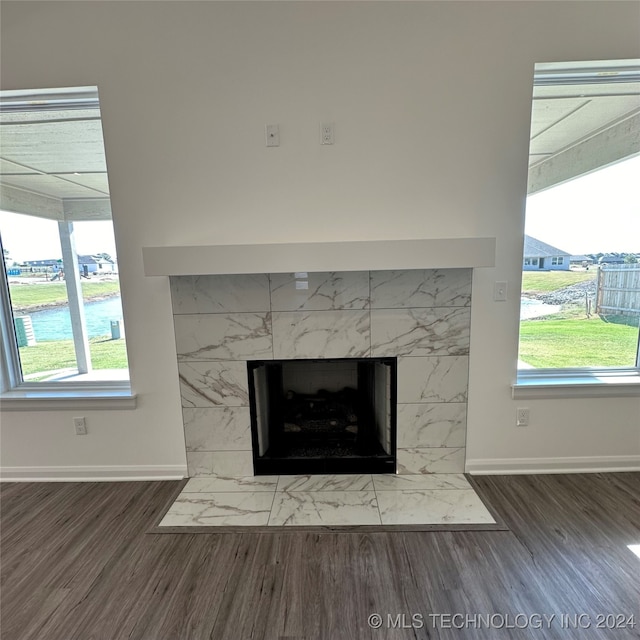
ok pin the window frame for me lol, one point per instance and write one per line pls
(578, 382)
(15, 392)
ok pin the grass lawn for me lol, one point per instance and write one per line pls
(544, 281)
(59, 354)
(577, 342)
(26, 296)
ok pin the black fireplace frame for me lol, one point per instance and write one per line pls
(277, 465)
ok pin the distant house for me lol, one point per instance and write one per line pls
(541, 256)
(51, 262)
(581, 261)
(87, 265)
(95, 264)
(610, 258)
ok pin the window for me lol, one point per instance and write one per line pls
(580, 316)
(61, 318)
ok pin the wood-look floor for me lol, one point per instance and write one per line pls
(78, 564)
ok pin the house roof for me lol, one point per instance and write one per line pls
(93, 260)
(534, 248)
(611, 259)
(46, 261)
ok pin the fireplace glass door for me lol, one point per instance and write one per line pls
(323, 416)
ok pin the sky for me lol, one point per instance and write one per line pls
(30, 238)
(598, 212)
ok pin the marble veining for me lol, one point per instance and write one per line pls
(432, 425)
(217, 484)
(421, 288)
(432, 507)
(336, 482)
(434, 460)
(219, 509)
(420, 332)
(324, 508)
(420, 482)
(433, 379)
(217, 429)
(321, 334)
(219, 293)
(235, 336)
(319, 291)
(207, 384)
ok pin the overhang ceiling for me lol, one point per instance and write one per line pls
(52, 161)
(582, 118)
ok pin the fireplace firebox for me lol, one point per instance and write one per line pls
(323, 416)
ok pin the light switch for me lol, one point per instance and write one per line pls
(500, 291)
(272, 134)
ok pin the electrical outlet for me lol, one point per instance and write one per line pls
(326, 133)
(522, 417)
(81, 426)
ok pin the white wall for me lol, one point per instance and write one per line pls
(431, 104)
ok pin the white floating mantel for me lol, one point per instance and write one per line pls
(381, 255)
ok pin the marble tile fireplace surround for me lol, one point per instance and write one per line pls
(225, 315)
(422, 317)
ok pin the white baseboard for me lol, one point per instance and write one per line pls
(93, 474)
(590, 464)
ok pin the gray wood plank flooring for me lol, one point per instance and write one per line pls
(78, 563)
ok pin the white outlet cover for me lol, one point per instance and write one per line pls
(500, 291)
(326, 133)
(272, 135)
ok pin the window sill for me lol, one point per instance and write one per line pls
(62, 397)
(576, 384)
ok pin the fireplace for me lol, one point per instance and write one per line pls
(419, 318)
(323, 416)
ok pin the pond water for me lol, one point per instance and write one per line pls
(55, 324)
(530, 308)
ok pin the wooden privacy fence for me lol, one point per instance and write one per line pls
(618, 290)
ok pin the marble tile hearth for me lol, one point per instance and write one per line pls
(327, 500)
